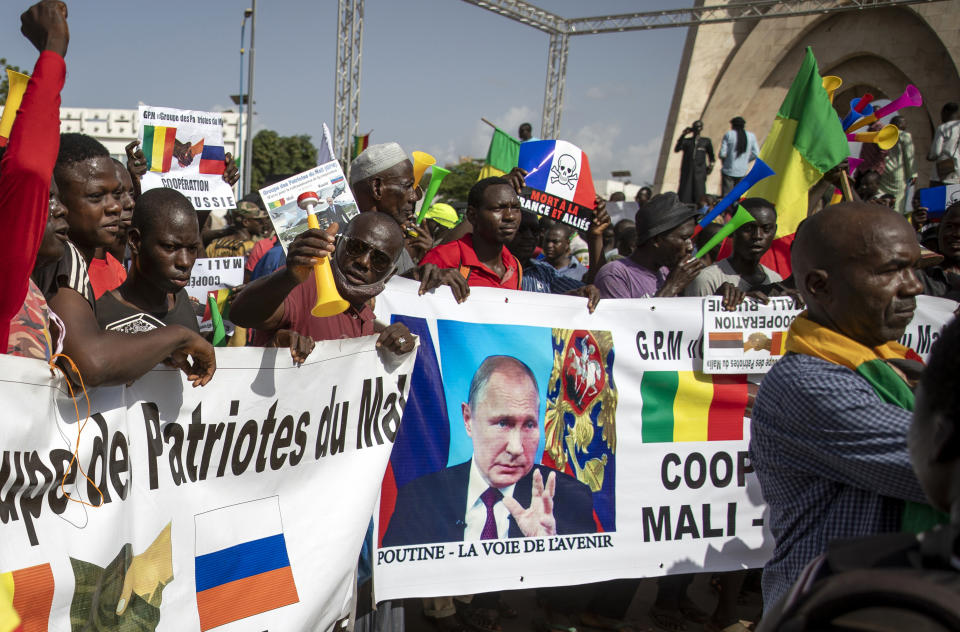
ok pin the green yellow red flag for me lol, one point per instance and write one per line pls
(806, 141)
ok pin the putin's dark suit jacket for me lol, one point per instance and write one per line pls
(431, 508)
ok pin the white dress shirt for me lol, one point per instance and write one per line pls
(476, 512)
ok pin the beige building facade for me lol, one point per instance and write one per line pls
(745, 69)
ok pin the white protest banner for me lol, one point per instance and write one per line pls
(749, 339)
(649, 454)
(241, 505)
(212, 275)
(184, 151)
(334, 203)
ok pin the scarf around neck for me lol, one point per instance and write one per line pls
(809, 338)
(812, 339)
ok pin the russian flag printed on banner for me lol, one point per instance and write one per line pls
(937, 199)
(212, 160)
(558, 168)
(242, 567)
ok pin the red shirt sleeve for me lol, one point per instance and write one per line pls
(25, 182)
(443, 256)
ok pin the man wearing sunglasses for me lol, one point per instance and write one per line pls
(363, 258)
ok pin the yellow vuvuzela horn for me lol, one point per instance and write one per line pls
(421, 160)
(329, 302)
(831, 83)
(17, 86)
(885, 138)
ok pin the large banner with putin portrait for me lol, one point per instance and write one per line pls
(542, 445)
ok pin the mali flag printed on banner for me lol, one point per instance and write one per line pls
(25, 598)
(158, 147)
(692, 406)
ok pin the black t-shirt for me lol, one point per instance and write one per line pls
(69, 271)
(114, 315)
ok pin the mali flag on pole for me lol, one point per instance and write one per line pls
(502, 156)
(359, 144)
(806, 141)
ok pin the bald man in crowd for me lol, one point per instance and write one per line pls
(830, 421)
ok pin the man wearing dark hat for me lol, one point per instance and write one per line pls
(249, 224)
(737, 150)
(661, 264)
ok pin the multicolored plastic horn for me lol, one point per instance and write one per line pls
(758, 172)
(17, 83)
(739, 218)
(329, 302)
(886, 138)
(859, 108)
(421, 160)
(853, 163)
(831, 84)
(910, 98)
(437, 174)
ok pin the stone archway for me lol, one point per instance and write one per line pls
(881, 48)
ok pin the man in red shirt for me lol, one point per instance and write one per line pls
(482, 258)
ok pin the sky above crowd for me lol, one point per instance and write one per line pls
(430, 70)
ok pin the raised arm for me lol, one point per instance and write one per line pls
(30, 156)
(260, 304)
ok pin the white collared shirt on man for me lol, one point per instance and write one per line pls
(476, 511)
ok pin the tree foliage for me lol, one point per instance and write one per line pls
(275, 155)
(456, 186)
(4, 82)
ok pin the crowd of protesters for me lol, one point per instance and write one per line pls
(96, 270)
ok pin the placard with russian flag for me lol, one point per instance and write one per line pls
(748, 340)
(937, 199)
(185, 151)
(558, 182)
(242, 566)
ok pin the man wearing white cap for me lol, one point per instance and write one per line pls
(381, 178)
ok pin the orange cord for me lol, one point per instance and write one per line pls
(80, 424)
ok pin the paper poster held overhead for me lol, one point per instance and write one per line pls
(558, 182)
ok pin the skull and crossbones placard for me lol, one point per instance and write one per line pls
(565, 171)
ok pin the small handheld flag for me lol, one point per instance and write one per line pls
(739, 218)
(219, 333)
